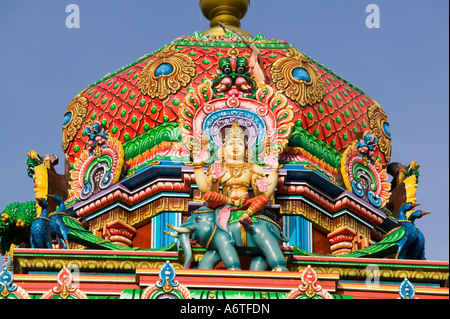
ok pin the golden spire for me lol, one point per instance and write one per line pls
(229, 12)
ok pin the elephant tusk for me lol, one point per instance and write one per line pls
(180, 230)
(175, 235)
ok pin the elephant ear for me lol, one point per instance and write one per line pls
(276, 232)
(223, 216)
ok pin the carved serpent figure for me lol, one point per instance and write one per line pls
(225, 239)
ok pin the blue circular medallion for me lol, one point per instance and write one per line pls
(163, 69)
(301, 74)
(67, 118)
(386, 129)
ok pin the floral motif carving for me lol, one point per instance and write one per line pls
(9, 290)
(364, 175)
(167, 287)
(167, 74)
(297, 78)
(380, 127)
(309, 287)
(201, 113)
(64, 290)
(99, 166)
(74, 118)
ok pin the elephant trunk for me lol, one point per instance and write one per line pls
(186, 246)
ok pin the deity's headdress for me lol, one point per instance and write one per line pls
(235, 132)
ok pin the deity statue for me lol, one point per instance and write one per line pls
(236, 173)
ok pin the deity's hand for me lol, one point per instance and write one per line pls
(217, 171)
(254, 57)
(256, 63)
(245, 198)
(271, 160)
(263, 184)
(200, 150)
(201, 156)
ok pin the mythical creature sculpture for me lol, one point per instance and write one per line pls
(99, 166)
(40, 230)
(366, 147)
(97, 138)
(417, 249)
(363, 174)
(412, 245)
(220, 233)
(400, 172)
(234, 78)
(46, 180)
(404, 184)
(56, 221)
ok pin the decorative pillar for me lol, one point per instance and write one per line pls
(299, 232)
(159, 223)
(119, 233)
(341, 240)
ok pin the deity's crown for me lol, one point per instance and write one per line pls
(235, 132)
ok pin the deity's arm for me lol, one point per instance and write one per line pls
(214, 184)
(257, 176)
(214, 176)
(200, 178)
(201, 154)
(273, 181)
(271, 161)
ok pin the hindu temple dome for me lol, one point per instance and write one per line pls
(220, 156)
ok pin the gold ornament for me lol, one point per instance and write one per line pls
(236, 170)
(299, 81)
(78, 109)
(235, 132)
(378, 122)
(167, 74)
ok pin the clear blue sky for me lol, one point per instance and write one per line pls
(403, 65)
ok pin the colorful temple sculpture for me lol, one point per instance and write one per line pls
(223, 165)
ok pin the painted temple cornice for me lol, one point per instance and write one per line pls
(129, 199)
(349, 276)
(345, 201)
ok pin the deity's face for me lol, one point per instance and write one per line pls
(234, 149)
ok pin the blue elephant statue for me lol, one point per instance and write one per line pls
(225, 239)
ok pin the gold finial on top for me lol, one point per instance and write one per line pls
(229, 12)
